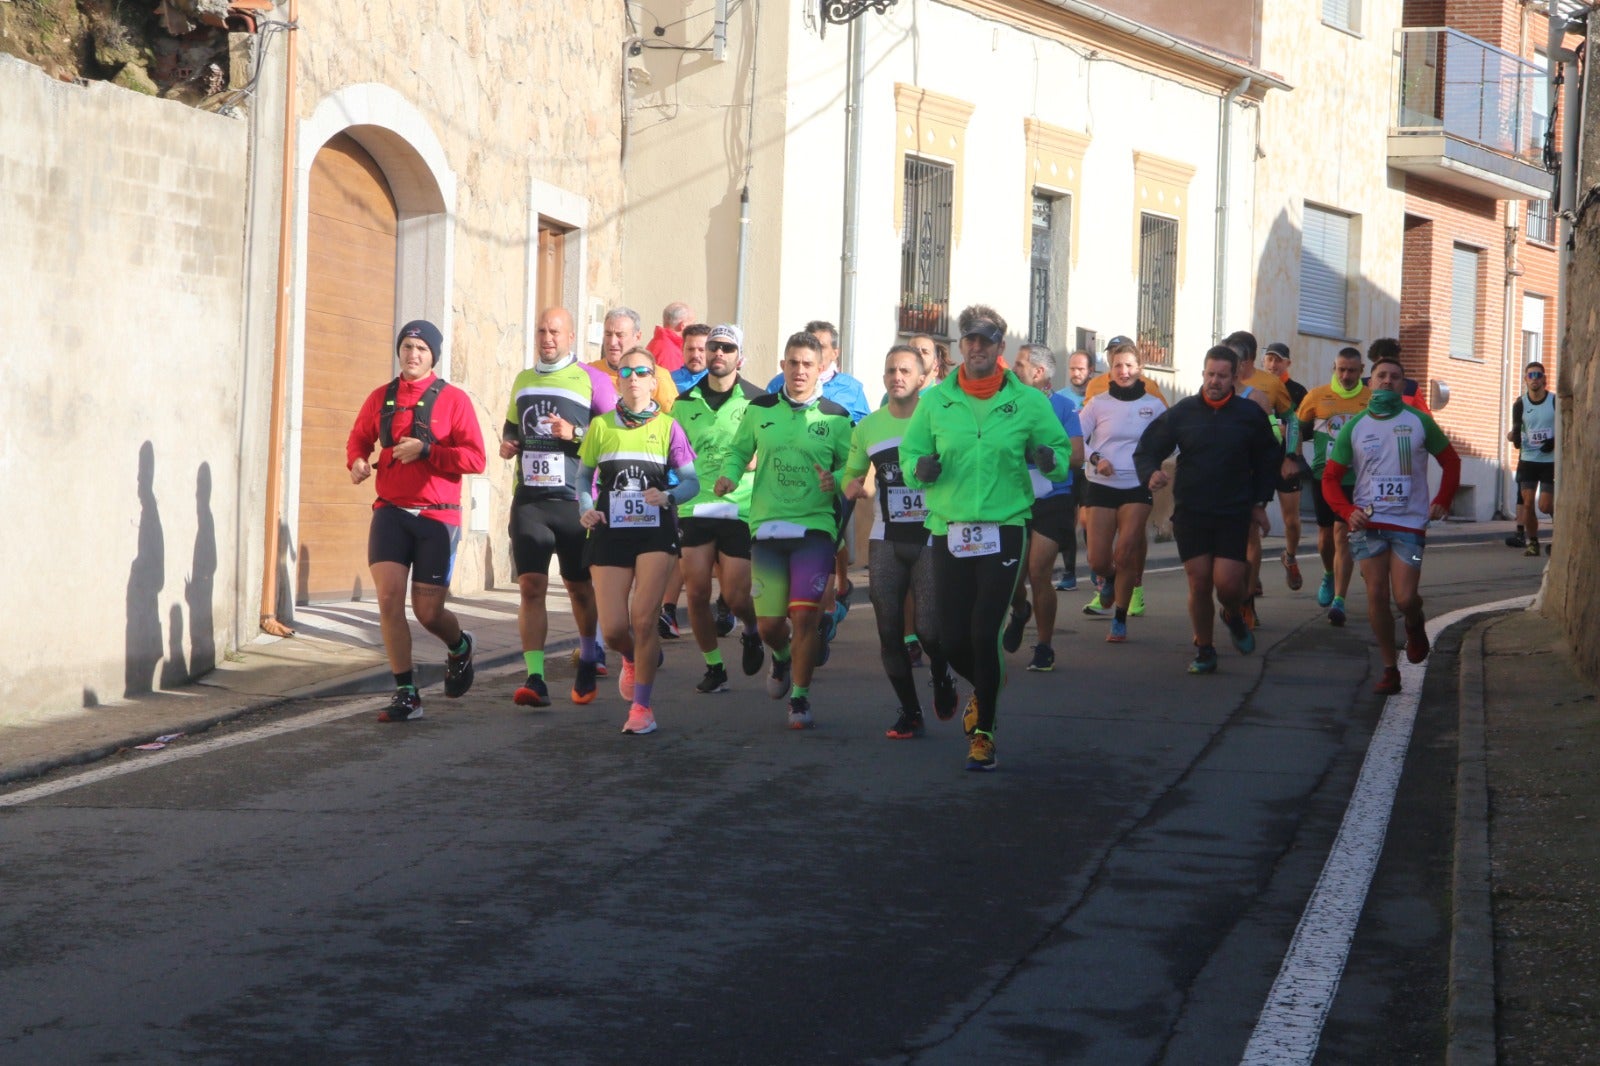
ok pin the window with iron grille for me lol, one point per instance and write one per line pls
(1158, 288)
(1047, 274)
(925, 247)
(1541, 223)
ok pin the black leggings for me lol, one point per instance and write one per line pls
(896, 566)
(973, 598)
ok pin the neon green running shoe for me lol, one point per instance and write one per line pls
(1136, 601)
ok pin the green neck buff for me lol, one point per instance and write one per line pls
(1386, 404)
(1341, 392)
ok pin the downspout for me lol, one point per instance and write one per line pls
(280, 346)
(1220, 268)
(1513, 270)
(852, 184)
(749, 165)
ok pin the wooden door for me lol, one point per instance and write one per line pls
(550, 285)
(349, 351)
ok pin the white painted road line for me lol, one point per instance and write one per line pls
(1290, 1025)
(141, 761)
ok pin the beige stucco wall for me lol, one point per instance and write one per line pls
(123, 222)
(1326, 142)
(502, 113)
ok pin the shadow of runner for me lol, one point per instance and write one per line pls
(199, 587)
(143, 644)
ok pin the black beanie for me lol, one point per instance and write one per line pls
(425, 331)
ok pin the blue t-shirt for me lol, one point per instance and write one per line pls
(686, 379)
(1067, 414)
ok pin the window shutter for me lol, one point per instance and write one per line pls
(1324, 265)
(1337, 12)
(1464, 303)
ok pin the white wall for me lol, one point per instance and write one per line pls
(122, 220)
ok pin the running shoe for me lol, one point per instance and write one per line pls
(778, 679)
(458, 670)
(725, 618)
(716, 680)
(1067, 583)
(840, 610)
(1011, 640)
(969, 717)
(1532, 549)
(750, 653)
(1417, 645)
(641, 720)
(600, 668)
(583, 684)
(980, 752)
(1336, 612)
(843, 599)
(1248, 609)
(1389, 683)
(914, 652)
(1325, 590)
(1136, 602)
(1239, 632)
(1118, 633)
(1100, 603)
(533, 693)
(625, 680)
(799, 712)
(1044, 659)
(1291, 573)
(826, 653)
(1205, 661)
(907, 727)
(406, 706)
(1519, 539)
(828, 626)
(944, 697)
(667, 624)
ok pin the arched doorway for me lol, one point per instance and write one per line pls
(351, 246)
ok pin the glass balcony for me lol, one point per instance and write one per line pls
(1469, 115)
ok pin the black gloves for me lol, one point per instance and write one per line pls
(928, 469)
(1044, 457)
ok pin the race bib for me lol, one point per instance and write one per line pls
(1042, 485)
(1539, 436)
(972, 539)
(630, 510)
(544, 470)
(1391, 493)
(905, 505)
(716, 509)
(776, 530)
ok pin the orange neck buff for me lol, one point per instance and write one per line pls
(982, 388)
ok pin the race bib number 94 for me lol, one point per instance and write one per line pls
(630, 511)
(544, 470)
(905, 505)
(972, 539)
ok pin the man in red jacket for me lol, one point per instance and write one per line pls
(428, 436)
(667, 344)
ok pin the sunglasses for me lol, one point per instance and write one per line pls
(721, 346)
(636, 371)
(1535, 374)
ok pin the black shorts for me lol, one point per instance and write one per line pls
(1098, 495)
(1294, 484)
(606, 547)
(542, 528)
(730, 535)
(426, 545)
(1055, 518)
(1538, 474)
(1222, 536)
(1325, 514)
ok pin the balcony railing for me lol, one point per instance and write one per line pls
(1471, 90)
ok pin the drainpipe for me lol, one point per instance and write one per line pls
(1513, 270)
(280, 347)
(744, 249)
(852, 183)
(1224, 148)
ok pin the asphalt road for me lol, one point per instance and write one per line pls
(493, 884)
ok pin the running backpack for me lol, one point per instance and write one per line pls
(421, 413)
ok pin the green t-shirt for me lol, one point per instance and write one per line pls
(711, 430)
(789, 443)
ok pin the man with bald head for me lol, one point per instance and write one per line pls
(667, 344)
(552, 404)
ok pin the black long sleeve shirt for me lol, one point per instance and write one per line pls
(1228, 457)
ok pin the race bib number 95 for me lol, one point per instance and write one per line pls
(630, 511)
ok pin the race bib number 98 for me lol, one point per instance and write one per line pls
(972, 539)
(544, 470)
(630, 511)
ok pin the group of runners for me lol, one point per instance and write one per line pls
(637, 481)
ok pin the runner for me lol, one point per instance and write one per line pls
(1323, 413)
(1277, 364)
(1227, 464)
(551, 407)
(1388, 510)
(684, 379)
(1118, 502)
(1053, 524)
(800, 440)
(899, 559)
(1273, 396)
(1533, 431)
(713, 529)
(968, 444)
(632, 523)
(428, 436)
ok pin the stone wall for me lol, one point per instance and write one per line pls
(123, 222)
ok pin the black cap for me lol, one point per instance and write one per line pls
(1120, 341)
(426, 332)
(987, 330)
(1279, 348)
